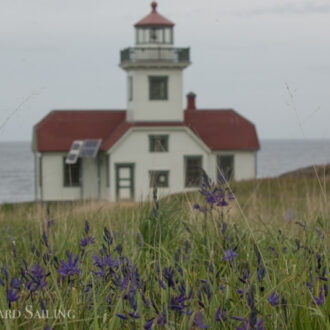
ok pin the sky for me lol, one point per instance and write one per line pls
(268, 60)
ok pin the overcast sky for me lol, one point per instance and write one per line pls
(269, 60)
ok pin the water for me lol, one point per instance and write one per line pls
(276, 157)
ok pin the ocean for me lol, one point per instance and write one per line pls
(275, 157)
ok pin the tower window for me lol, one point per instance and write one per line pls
(158, 143)
(158, 88)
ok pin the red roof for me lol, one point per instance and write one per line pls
(223, 129)
(59, 128)
(218, 129)
(154, 19)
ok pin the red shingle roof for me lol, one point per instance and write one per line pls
(218, 129)
(59, 129)
(223, 129)
(154, 19)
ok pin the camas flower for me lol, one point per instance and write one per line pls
(122, 316)
(230, 255)
(149, 324)
(245, 323)
(12, 295)
(87, 240)
(273, 299)
(37, 276)
(69, 268)
(199, 321)
(220, 316)
(320, 299)
(168, 273)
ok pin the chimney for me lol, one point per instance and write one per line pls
(191, 101)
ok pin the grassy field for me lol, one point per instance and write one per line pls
(188, 261)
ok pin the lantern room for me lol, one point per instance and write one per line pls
(154, 30)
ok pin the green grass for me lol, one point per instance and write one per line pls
(178, 237)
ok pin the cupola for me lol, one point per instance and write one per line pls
(154, 29)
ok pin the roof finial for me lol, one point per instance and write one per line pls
(154, 6)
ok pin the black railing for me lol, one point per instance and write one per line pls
(159, 54)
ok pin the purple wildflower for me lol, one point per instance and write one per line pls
(161, 319)
(245, 324)
(122, 316)
(230, 255)
(149, 324)
(168, 273)
(196, 206)
(69, 268)
(289, 215)
(241, 292)
(135, 315)
(86, 227)
(177, 303)
(162, 284)
(320, 299)
(199, 321)
(12, 296)
(325, 286)
(146, 301)
(1, 282)
(220, 316)
(37, 276)
(261, 272)
(87, 240)
(5, 272)
(310, 283)
(323, 277)
(15, 283)
(273, 299)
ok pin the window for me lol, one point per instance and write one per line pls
(158, 88)
(159, 179)
(71, 174)
(226, 166)
(158, 143)
(193, 169)
(130, 88)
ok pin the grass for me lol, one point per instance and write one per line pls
(278, 228)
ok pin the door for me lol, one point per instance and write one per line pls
(125, 181)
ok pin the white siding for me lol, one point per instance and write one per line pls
(53, 181)
(143, 109)
(134, 148)
(244, 164)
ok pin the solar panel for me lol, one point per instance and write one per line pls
(74, 152)
(90, 148)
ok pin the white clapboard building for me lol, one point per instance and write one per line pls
(157, 141)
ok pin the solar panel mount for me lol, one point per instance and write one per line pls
(90, 148)
(74, 152)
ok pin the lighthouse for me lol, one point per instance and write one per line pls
(154, 69)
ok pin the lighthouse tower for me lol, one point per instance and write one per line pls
(154, 71)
